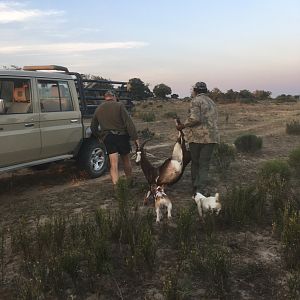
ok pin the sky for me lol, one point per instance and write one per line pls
(238, 44)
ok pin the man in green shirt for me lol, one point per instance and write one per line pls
(116, 131)
(201, 132)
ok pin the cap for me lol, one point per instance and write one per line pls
(200, 86)
(110, 92)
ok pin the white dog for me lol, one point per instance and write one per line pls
(161, 199)
(207, 203)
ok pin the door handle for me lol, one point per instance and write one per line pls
(29, 124)
(74, 121)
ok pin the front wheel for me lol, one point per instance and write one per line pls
(93, 158)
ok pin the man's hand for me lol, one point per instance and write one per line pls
(180, 126)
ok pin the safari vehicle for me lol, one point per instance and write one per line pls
(45, 116)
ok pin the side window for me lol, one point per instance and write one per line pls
(66, 99)
(54, 96)
(16, 95)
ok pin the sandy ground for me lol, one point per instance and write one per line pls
(39, 194)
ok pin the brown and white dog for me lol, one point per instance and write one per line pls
(161, 199)
(205, 204)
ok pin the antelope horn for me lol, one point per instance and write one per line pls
(143, 144)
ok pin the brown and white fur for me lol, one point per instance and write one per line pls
(205, 204)
(161, 199)
(170, 171)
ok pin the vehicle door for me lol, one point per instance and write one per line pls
(60, 118)
(20, 139)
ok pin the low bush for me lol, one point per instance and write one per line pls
(273, 180)
(248, 143)
(293, 127)
(64, 254)
(213, 264)
(171, 289)
(294, 160)
(148, 117)
(243, 205)
(291, 239)
(186, 229)
(171, 115)
(274, 175)
(146, 134)
(293, 283)
(224, 155)
(2, 247)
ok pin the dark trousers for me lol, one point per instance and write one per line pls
(200, 155)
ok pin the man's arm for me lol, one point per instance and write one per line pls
(95, 126)
(193, 118)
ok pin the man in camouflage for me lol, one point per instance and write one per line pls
(201, 132)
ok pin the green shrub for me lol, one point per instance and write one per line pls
(133, 229)
(274, 175)
(294, 285)
(293, 127)
(294, 160)
(248, 143)
(62, 252)
(273, 179)
(146, 134)
(148, 117)
(171, 115)
(171, 289)
(185, 228)
(213, 263)
(224, 154)
(2, 247)
(243, 205)
(291, 239)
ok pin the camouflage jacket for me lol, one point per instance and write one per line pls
(202, 124)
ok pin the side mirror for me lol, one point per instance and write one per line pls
(2, 107)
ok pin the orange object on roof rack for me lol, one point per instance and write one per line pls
(46, 68)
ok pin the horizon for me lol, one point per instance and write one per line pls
(230, 45)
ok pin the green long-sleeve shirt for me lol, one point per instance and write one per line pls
(112, 116)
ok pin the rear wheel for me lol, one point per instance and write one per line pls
(93, 158)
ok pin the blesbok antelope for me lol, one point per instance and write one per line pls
(170, 171)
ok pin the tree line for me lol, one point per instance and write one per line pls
(140, 91)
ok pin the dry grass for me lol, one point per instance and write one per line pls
(119, 250)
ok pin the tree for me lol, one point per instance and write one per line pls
(138, 89)
(231, 95)
(262, 95)
(245, 94)
(174, 96)
(162, 90)
(216, 94)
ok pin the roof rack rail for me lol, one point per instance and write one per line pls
(46, 68)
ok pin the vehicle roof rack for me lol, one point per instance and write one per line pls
(46, 68)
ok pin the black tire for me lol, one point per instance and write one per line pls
(93, 158)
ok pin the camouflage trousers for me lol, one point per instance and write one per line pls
(201, 155)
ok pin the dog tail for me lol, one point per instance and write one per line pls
(217, 197)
